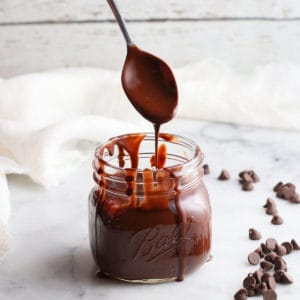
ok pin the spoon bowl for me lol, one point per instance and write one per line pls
(149, 85)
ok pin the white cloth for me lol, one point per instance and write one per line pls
(50, 122)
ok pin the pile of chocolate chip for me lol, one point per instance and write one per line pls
(271, 209)
(273, 268)
(269, 255)
(247, 178)
(287, 191)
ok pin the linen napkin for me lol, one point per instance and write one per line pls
(50, 122)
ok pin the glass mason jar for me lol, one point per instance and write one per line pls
(149, 224)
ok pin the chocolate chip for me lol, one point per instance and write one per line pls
(241, 294)
(266, 265)
(247, 186)
(269, 280)
(281, 258)
(280, 265)
(254, 258)
(262, 287)
(278, 186)
(246, 177)
(265, 276)
(271, 283)
(259, 251)
(270, 207)
(276, 220)
(295, 198)
(269, 295)
(280, 250)
(295, 245)
(286, 278)
(287, 192)
(241, 174)
(291, 186)
(224, 175)
(288, 247)
(252, 291)
(277, 276)
(254, 234)
(269, 202)
(249, 281)
(271, 211)
(282, 277)
(264, 248)
(258, 274)
(254, 176)
(206, 169)
(271, 257)
(271, 243)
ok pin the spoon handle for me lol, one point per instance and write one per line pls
(120, 21)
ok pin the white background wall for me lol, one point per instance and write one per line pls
(44, 34)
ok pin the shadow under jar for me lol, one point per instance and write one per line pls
(149, 224)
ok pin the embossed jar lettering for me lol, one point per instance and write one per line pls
(154, 243)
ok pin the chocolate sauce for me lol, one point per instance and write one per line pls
(144, 223)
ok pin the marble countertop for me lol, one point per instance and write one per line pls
(51, 258)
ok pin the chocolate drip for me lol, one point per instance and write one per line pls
(156, 133)
(181, 222)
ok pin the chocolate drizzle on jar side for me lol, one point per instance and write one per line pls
(181, 222)
(156, 187)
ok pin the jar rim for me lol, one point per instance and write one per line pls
(195, 160)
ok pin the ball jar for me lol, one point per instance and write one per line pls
(149, 224)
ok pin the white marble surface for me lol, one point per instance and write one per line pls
(51, 258)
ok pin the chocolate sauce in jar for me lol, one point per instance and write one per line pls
(148, 224)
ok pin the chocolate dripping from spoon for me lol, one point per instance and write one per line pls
(148, 82)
